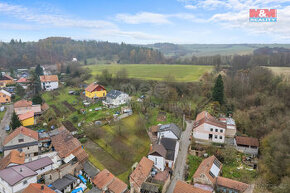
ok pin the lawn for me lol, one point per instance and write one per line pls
(158, 72)
(2, 114)
(193, 163)
(117, 147)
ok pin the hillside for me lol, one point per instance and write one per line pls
(188, 50)
(59, 49)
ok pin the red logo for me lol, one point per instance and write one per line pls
(263, 15)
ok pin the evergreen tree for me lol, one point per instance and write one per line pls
(38, 70)
(15, 123)
(37, 99)
(218, 90)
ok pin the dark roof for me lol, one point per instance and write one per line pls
(171, 127)
(150, 187)
(113, 94)
(62, 183)
(169, 145)
(159, 149)
(69, 126)
(91, 170)
(20, 145)
(13, 175)
(39, 163)
(95, 190)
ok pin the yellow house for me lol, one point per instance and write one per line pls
(95, 91)
(5, 97)
(27, 119)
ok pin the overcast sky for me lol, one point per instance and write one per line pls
(144, 21)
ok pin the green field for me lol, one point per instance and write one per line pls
(284, 71)
(181, 73)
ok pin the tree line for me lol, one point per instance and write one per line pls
(58, 49)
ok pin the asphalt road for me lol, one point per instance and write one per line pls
(5, 121)
(179, 171)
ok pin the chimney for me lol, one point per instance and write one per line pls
(42, 187)
(20, 169)
(151, 147)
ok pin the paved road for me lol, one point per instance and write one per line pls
(5, 121)
(179, 171)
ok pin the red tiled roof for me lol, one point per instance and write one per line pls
(21, 130)
(232, 184)
(14, 157)
(159, 149)
(38, 188)
(117, 186)
(26, 115)
(205, 117)
(81, 155)
(9, 77)
(143, 169)
(205, 167)
(93, 86)
(162, 176)
(22, 103)
(23, 80)
(250, 141)
(103, 179)
(65, 144)
(48, 78)
(182, 187)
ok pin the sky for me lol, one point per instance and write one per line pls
(144, 21)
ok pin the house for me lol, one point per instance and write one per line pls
(38, 188)
(140, 174)
(248, 145)
(5, 97)
(13, 158)
(207, 172)
(18, 177)
(183, 187)
(23, 139)
(90, 171)
(49, 82)
(95, 90)
(68, 147)
(169, 131)
(106, 181)
(24, 106)
(231, 126)
(6, 79)
(26, 119)
(116, 98)
(22, 81)
(65, 184)
(158, 155)
(227, 185)
(208, 129)
(172, 147)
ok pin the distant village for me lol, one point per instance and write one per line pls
(37, 160)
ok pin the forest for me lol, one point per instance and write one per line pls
(58, 50)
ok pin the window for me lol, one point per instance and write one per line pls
(27, 147)
(215, 136)
(20, 140)
(24, 182)
(211, 129)
(221, 137)
(221, 131)
(216, 130)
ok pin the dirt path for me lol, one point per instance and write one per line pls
(178, 173)
(5, 121)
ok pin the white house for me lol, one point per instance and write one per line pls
(208, 129)
(49, 82)
(16, 178)
(169, 131)
(158, 155)
(116, 98)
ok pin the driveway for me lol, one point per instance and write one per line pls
(5, 121)
(179, 171)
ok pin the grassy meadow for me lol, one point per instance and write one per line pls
(158, 72)
(284, 71)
